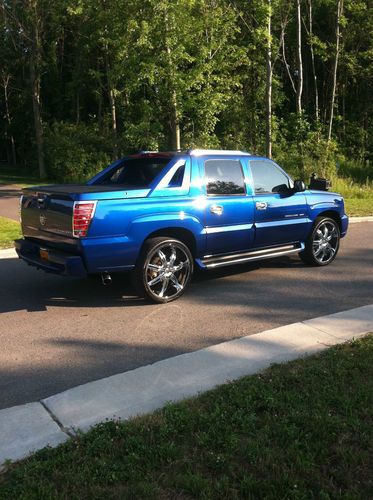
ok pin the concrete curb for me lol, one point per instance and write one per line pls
(27, 428)
(8, 253)
(354, 220)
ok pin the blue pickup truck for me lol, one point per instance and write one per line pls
(158, 215)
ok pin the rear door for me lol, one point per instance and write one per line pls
(280, 215)
(228, 208)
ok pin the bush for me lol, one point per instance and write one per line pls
(75, 153)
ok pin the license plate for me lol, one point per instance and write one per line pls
(44, 254)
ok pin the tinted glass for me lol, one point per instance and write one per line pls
(268, 178)
(224, 177)
(178, 177)
(136, 173)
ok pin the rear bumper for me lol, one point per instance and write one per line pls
(55, 262)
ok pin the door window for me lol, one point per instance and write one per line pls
(224, 177)
(268, 178)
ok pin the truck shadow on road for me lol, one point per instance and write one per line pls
(266, 283)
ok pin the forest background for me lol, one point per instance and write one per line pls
(85, 81)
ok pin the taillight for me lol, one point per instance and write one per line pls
(82, 216)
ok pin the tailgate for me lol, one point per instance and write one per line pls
(47, 216)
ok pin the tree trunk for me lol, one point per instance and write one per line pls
(269, 85)
(9, 119)
(35, 86)
(310, 27)
(113, 108)
(299, 61)
(175, 118)
(77, 108)
(175, 122)
(335, 69)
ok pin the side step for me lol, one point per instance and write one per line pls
(214, 261)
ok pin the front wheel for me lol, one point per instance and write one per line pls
(323, 243)
(164, 269)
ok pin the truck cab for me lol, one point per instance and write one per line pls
(158, 215)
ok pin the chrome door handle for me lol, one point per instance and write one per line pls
(216, 209)
(261, 205)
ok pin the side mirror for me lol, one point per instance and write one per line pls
(299, 186)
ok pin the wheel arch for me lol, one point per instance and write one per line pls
(184, 235)
(332, 214)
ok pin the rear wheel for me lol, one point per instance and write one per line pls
(323, 243)
(164, 269)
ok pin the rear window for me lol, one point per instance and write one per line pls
(135, 173)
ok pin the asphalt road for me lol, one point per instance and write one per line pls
(56, 332)
(9, 201)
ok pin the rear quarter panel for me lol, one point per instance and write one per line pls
(121, 226)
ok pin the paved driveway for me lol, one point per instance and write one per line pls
(9, 201)
(56, 332)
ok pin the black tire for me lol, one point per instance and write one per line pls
(322, 244)
(163, 270)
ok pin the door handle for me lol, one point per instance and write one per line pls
(261, 205)
(216, 209)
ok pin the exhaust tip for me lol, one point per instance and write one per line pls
(106, 279)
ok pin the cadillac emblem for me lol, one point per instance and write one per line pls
(42, 219)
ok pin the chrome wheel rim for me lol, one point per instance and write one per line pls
(325, 242)
(167, 271)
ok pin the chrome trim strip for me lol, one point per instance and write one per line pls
(201, 152)
(222, 229)
(251, 256)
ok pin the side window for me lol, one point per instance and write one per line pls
(177, 178)
(224, 177)
(268, 178)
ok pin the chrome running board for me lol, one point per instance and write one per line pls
(212, 261)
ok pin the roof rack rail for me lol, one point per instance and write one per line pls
(200, 152)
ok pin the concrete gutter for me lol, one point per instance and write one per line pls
(27, 428)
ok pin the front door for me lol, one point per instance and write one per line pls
(281, 216)
(228, 209)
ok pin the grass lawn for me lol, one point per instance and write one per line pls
(358, 196)
(300, 430)
(21, 178)
(9, 231)
(359, 206)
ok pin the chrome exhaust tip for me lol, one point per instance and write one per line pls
(106, 279)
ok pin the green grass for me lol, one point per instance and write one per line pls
(9, 231)
(300, 430)
(358, 197)
(359, 206)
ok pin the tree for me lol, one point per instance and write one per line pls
(335, 68)
(299, 61)
(269, 85)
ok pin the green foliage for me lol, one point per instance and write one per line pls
(298, 430)
(309, 152)
(75, 152)
(127, 70)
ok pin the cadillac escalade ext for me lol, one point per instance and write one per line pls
(159, 215)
